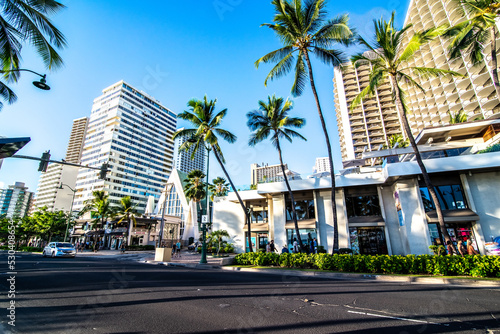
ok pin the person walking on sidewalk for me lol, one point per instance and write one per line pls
(178, 248)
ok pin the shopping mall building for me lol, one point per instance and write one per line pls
(384, 209)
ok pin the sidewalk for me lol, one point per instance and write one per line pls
(191, 260)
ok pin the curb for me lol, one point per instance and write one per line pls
(374, 277)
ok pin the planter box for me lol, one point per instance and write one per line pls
(163, 254)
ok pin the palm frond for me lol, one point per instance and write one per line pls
(301, 76)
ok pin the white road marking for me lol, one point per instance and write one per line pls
(397, 318)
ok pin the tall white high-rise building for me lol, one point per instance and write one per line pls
(15, 201)
(265, 173)
(183, 161)
(322, 165)
(132, 132)
(49, 193)
(368, 127)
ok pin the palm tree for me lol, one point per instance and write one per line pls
(220, 187)
(396, 141)
(305, 29)
(475, 32)
(27, 21)
(458, 117)
(217, 236)
(100, 209)
(272, 119)
(389, 61)
(207, 121)
(194, 189)
(126, 210)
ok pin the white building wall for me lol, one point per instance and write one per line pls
(484, 188)
(229, 216)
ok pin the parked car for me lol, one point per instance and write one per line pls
(194, 245)
(64, 249)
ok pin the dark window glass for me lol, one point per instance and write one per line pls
(303, 208)
(451, 197)
(363, 206)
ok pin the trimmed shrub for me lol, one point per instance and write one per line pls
(443, 265)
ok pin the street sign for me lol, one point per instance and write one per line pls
(204, 219)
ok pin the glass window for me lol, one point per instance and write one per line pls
(363, 206)
(304, 209)
(259, 217)
(450, 197)
(306, 235)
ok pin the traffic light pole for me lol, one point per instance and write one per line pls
(104, 166)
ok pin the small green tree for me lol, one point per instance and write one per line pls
(397, 141)
(216, 236)
(219, 187)
(458, 117)
(50, 224)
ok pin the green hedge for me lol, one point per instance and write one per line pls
(469, 265)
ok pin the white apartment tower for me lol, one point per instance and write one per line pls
(183, 161)
(15, 201)
(369, 126)
(132, 132)
(322, 165)
(48, 192)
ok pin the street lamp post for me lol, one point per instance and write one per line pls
(70, 210)
(42, 84)
(203, 259)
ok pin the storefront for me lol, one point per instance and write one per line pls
(259, 236)
(459, 224)
(307, 230)
(368, 240)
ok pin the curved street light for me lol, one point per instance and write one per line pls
(42, 84)
(70, 210)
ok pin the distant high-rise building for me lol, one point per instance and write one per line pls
(265, 173)
(132, 132)
(368, 127)
(322, 165)
(183, 161)
(15, 201)
(49, 193)
(75, 144)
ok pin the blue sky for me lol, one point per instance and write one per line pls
(174, 51)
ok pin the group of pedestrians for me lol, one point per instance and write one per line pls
(311, 247)
(467, 249)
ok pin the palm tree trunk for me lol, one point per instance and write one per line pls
(129, 234)
(294, 213)
(494, 62)
(420, 163)
(330, 158)
(238, 196)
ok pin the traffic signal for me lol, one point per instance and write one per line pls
(44, 161)
(103, 171)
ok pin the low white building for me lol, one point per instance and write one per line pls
(384, 209)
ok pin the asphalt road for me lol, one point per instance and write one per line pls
(109, 295)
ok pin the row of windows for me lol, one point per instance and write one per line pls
(143, 126)
(157, 118)
(149, 101)
(143, 154)
(451, 197)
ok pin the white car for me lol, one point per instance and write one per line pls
(64, 249)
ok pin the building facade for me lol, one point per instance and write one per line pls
(265, 173)
(15, 201)
(131, 132)
(49, 192)
(183, 161)
(368, 127)
(76, 139)
(385, 209)
(322, 165)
